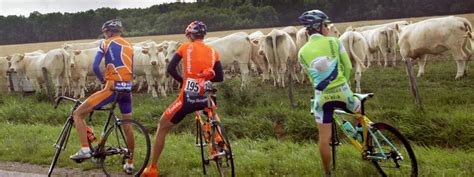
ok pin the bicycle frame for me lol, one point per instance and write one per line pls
(366, 123)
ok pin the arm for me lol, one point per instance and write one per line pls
(345, 61)
(96, 66)
(219, 77)
(172, 68)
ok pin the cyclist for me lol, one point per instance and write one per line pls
(118, 54)
(327, 64)
(199, 62)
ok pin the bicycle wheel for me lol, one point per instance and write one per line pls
(115, 151)
(388, 142)
(60, 144)
(202, 144)
(223, 157)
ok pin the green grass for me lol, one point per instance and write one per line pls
(254, 157)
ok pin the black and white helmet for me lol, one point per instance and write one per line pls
(114, 25)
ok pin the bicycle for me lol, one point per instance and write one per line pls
(112, 149)
(382, 144)
(211, 133)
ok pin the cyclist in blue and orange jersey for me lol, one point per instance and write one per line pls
(118, 54)
(199, 62)
(327, 64)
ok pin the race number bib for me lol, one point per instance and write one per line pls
(192, 86)
(123, 85)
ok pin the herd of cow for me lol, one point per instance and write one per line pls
(273, 55)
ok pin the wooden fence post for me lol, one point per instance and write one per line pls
(413, 84)
(290, 83)
(49, 90)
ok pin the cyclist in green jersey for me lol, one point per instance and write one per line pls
(327, 64)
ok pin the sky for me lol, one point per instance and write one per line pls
(25, 7)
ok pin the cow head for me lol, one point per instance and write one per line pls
(333, 31)
(17, 62)
(72, 57)
(170, 49)
(152, 50)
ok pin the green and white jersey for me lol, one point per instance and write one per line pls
(325, 61)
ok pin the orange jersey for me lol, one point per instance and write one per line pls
(196, 57)
(118, 54)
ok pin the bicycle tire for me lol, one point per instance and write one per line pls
(112, 148)
(62, 140)
(394, 136)
(201, 144)
(228, 158)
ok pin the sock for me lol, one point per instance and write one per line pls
(130, 161)
(86, 149)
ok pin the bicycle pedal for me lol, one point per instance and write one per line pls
(334, 144)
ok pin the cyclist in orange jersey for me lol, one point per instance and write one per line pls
(118, 54)
(199, 61)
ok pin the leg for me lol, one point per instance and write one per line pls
(79, 114)
(324, 139)
(421, 66)
(358, 76)
(163, 128)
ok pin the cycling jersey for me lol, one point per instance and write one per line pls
(118, 54)
(196, 57)
(326, 62)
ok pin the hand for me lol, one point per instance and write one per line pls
(207, 74)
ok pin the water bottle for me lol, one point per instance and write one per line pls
(360, 132)
(349, 128)
(90, 134)
(356, 134)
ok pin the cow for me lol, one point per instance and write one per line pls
(380, 40)
(29, 67)
(237, 48)
(81, 68)
(3, 73)
(57, 63)
(149, 61)
(81, 46)
(36, 52)
(292, 31)
(278, 47)
(357, 49)
(435, 36)
(169, 49)
(210, 39)
(259, 60)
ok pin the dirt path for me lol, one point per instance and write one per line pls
(16, 169)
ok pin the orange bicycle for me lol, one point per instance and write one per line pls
(212, 139)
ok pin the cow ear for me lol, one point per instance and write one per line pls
(77, 52)
(9, 57)
(160, 49)
(145, 50)
(22, 56)
(397, 27)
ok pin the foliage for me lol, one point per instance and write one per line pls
(218, 14)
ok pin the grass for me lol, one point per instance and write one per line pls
(262, 111)
(254, 157)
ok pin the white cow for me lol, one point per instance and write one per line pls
(237, 48)
(380, 40)
(57, 63)
(435, 36)
(292, 31)
(81, 68)
(3, 73)
(357, 49)
(149, 61)
(210, 39)
(30, 67)
(169, 49)
(36, 52)
(259, 60)
(278, 47)
(82, 46)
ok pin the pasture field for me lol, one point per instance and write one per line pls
(21, 48)
(269, 136)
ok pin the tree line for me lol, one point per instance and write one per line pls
(172, 18)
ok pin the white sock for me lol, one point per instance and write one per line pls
(86, 149)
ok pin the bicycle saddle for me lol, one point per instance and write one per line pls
(363, 97)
